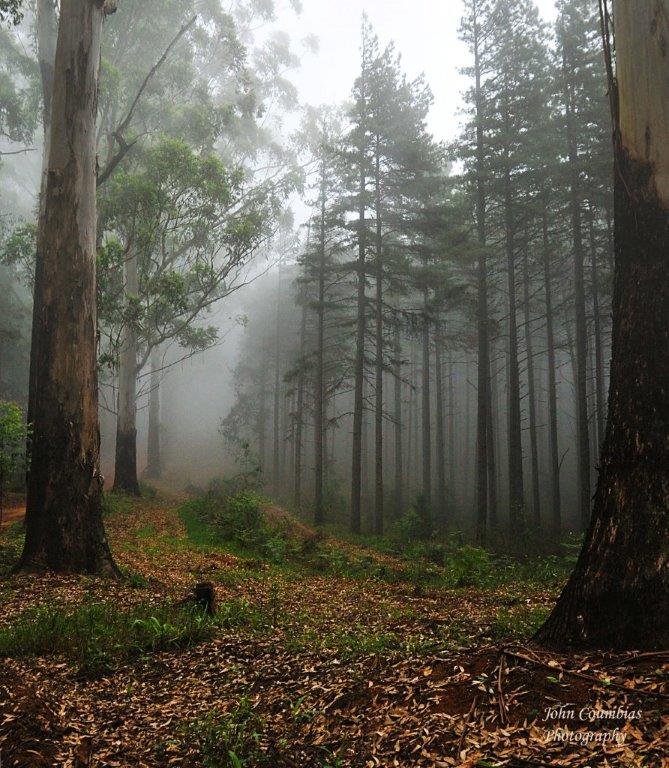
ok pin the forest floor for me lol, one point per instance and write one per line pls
(319, 666)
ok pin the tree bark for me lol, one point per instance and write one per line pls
(64, 528)
(154, 468)
(125, 468)
(618, 595)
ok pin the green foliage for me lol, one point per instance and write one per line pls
(519, 623)
(227, 739)
(13, 436)
(94, 636)
(415, 524)
(118, 503)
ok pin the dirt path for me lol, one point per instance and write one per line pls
(12, 515)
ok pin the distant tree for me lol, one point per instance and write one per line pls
(181, 229)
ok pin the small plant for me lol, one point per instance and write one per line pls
(227, 739)
(13, 436)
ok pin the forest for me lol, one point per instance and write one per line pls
(334, 353)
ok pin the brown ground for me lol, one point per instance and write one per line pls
(340, 672)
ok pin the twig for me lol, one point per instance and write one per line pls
(589, 678)
(637, 656)
(466, 727)
(500, 690)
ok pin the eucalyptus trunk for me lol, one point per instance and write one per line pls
(64, 527)
(125, 467)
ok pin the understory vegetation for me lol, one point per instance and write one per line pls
(313, 634)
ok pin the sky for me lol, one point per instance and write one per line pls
(425, 32)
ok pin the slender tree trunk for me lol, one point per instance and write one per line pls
(399, 463)
(451, 433)
(618, 595)
(153, 464)
(425, 403)
(583, 440)
(319, 393)
(531, 393)
(276, 437)
(262, 423)
(483, 422)
(359, 364)
(442, 505)
(64, 528)
(556, 513)
(299, 415)
(597, 330)
(515, 445)
(125, 468)
(378, 367)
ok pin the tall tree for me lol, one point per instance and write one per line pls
(618, 594)
(64, 528)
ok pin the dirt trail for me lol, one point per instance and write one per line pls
(12, 515)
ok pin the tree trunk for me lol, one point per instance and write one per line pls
(154, 468)
(64, 528)
(531, 393)
(276, 436)
(442, 506)
(299, 415)
(556, 513)
(378, 367)
(125, 468)
(483, 423)
(582, 436)
(516, 501)
(359, 365)
(618, 595)
(451, 433)
(425, 407)
(399, 463)
(319, 393)
(597, 329)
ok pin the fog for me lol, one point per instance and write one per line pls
(312, 60)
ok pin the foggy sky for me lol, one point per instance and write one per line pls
(425, 32)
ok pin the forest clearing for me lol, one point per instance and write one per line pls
(337, 655)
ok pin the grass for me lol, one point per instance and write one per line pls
(226, 739)
(97, 636)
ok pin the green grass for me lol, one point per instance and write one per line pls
(519, 623)
(226, 739)
(97, 636)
